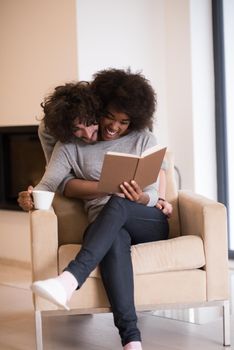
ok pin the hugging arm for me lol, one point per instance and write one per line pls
(86, 189)
(83, 189)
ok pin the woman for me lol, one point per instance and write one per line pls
(116, 221)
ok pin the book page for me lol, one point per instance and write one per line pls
(152, 150)
(122, 154)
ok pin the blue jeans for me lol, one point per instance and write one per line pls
(107, 242)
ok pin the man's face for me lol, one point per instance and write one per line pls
(88, 134)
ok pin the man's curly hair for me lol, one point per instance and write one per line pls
(67, 103)
(126, 92)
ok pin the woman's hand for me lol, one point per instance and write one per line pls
(133, 192)
(25, 200)
(165, 206)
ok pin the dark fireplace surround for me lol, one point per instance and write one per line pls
(22, 162)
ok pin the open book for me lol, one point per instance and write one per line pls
(119, 167)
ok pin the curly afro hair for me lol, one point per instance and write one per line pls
(126, 92)
(65, 104)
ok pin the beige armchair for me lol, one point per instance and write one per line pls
(188, 270)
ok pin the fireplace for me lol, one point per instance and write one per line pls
(22, 162)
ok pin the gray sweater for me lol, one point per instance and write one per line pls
(47, 141)
(84, 161)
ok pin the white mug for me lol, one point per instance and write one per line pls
(42, 199)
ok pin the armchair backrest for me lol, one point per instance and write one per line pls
(72, 219)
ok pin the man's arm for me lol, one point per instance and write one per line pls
(162, 184)
(57, 169)
(74, 188)
(25, 199)
(47, 141)
(83, 189)
(162, 203)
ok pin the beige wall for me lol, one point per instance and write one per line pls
(38, 51)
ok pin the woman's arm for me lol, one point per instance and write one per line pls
(134, 193)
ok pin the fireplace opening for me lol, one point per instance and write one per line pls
(22, 162)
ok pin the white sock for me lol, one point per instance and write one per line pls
(68, 282)
(133, 345)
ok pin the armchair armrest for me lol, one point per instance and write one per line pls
(208, 219)
(44, 244)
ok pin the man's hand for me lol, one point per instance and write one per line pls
(25, 199)
(165, 206)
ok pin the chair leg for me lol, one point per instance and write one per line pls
(38, 326)
(226, 323)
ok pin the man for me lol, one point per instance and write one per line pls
(87, 133)
(71, 107)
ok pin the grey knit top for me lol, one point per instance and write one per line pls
(84, 161)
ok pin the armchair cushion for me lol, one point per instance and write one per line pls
(154, 257)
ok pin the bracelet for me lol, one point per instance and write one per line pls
(161, 199)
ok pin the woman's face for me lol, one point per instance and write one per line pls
(113, 125)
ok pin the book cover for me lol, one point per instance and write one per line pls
(120, 167)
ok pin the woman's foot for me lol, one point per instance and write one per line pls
(133, 345)
(57, 290)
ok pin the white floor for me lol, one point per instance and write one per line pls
(92, 332)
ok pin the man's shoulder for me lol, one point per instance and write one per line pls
(66, 145)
